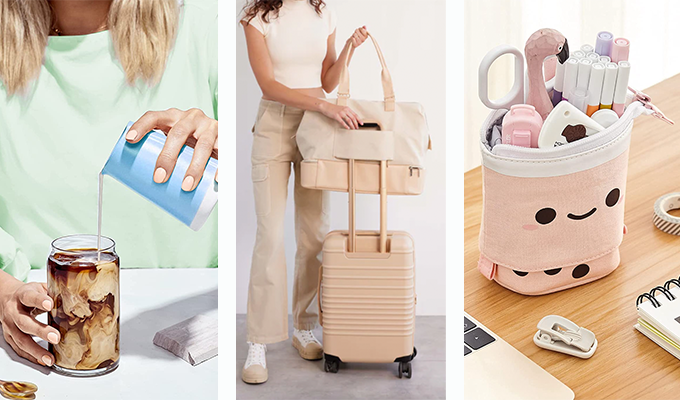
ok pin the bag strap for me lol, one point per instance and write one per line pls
(388, 89)
(383, 207)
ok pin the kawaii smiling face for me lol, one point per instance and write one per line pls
(547, 215)
(550, 222)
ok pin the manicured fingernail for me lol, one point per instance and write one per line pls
(216, 178)
(47, 305)
(53, 338)
(159, 175)
(188, 183)
(131, 135)
(47, 360)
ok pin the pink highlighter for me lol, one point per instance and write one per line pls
(521, 126)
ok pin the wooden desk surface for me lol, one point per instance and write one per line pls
(626, 364)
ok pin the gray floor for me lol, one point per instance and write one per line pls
(291, 377)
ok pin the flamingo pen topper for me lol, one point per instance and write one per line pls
(542, 44)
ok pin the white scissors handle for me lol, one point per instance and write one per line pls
(516, 94)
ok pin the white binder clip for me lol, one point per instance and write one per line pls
(559, 334)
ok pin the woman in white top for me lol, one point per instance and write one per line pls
(291, 47)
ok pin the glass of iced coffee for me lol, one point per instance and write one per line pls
(83, 281)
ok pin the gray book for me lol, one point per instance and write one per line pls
(193, 340)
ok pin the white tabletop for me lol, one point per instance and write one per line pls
(150, 300)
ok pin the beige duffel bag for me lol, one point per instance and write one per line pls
(392, 131)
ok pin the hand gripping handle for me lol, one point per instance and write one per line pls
(386, 78)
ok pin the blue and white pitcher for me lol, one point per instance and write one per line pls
(133, 165)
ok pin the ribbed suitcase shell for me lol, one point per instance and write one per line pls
(368, 298)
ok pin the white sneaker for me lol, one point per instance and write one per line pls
(307, 345)
(255, 369)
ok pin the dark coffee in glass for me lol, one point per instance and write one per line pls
(84, 283)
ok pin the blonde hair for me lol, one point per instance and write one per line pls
(143, 33)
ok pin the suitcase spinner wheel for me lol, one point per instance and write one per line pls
(332, 364)
(405, 368)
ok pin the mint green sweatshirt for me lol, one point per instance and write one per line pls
(56, 137)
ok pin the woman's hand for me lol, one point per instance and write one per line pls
(19, 304)
(343, 114)
(191, 127)
(359, 36)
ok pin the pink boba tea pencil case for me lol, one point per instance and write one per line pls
(552, 218)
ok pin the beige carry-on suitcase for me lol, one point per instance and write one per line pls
(366, 295)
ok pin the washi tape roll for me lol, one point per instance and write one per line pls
(662, 219)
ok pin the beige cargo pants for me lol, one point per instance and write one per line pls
(274, 150)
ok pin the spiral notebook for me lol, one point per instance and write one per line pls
(659, 316)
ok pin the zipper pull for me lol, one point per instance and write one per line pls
(647, 102)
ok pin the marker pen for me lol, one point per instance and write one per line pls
(570, 76)
(578, 97)
(559, 83)
(604, 59)
(578, 54)
(603, 45)
(621, 87)
(595, 87)
(620, 50)
(593, 56)
(586, 48)
(608, 85)
(584, 66)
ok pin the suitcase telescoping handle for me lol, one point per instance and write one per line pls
(383, 207)
(352, 217)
